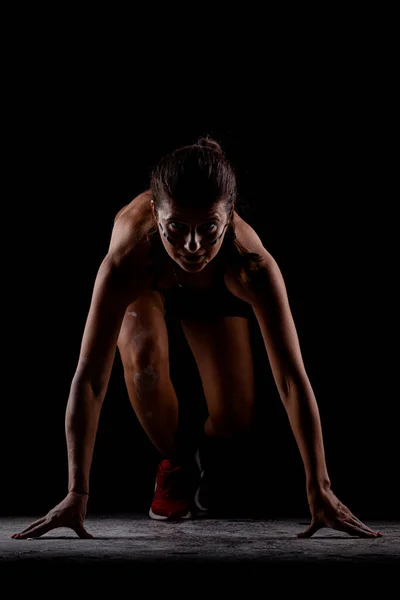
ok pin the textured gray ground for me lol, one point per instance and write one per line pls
(139, 546)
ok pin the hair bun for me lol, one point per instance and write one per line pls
(207, 142)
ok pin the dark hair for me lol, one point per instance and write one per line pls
(201, 175)
(198, 175)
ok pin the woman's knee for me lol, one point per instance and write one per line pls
(147, 369)
(142, 351)
(146, 378)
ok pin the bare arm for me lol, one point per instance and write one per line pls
(121, 279)
(89, 385)
(271, 307)
(266, 292)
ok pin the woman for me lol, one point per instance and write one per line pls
(181, 248)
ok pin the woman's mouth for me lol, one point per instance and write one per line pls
(193, 259)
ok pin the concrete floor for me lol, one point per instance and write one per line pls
(136, 546)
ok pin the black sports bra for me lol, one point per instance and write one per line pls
(215, 300)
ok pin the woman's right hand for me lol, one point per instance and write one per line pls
(71, 512)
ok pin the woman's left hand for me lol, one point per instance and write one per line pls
(328, 511)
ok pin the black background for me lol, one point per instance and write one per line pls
(315, 169)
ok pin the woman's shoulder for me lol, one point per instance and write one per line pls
(132, 232)
(244, 247)
(245, 256)
(136, 215)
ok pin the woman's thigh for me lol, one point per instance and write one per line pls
(222, 350)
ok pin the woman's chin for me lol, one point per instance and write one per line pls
(192, 266)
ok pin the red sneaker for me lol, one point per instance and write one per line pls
(173, 491)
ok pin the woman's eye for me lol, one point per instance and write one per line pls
(179, 226)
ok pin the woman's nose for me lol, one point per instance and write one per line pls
(192, 242)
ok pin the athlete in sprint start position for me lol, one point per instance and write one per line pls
(181, 248)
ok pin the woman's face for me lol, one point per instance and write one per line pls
(192, 238)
